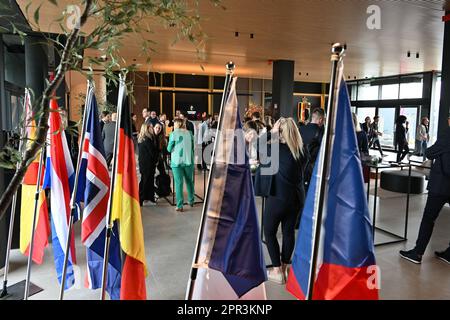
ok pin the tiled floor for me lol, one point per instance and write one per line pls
(170, 239)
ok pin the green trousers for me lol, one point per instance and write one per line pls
(186, 173)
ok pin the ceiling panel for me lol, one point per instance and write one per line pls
(299, 30)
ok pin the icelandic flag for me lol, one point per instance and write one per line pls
(94, 173)
(230, 263)
(346, 268)
(59, 177)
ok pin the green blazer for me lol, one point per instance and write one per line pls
(181, 147)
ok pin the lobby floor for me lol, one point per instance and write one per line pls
(170, 239)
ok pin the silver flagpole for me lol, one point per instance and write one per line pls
(33, 230)
(4, 292)
(109, 224)
(194, 269)
(325, 157)
(73, 199)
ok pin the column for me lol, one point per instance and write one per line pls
(444, 107)
(36, 64)
(283, 88)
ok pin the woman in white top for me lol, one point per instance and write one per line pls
(422, 137)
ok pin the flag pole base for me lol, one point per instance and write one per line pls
(15, 291)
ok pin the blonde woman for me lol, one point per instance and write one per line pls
(286, 198)
(148, 158)
(181, 148)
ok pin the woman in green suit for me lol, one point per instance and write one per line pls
(181, 148)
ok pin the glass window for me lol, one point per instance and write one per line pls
(389, 91)
(411, 114)
(352, 88)
(411, 87)
(362, 113)
(386, 126)
(434, 112)
(367, 92)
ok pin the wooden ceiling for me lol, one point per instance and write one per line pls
(299, 30)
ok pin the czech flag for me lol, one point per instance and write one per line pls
(42, 227)
(59, 177)
(94, 173)
(346, 267)
(231, 264)
(127, 211)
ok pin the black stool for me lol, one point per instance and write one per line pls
(397, 181)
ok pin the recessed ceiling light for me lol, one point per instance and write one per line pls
(408, 54)
(251, 35)
(236, 34)
(417, 55)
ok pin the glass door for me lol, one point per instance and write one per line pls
(387, 126)
(412, 114)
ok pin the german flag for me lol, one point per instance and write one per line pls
(27, 203)
(127, 211)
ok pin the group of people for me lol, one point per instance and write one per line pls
(401, 144)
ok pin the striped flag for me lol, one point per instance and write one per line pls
(230, 264)
(346, 262)
(127, 211)
(94, 171)
(42, 227)
(59, 178)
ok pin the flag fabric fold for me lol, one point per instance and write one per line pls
(59, 178)
(127, 211)
(42, 226)
(346, 267)
(94, 181)
(231, 263)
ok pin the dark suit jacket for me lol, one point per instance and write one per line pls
(309, 131)
(190, 126)
(439, 184)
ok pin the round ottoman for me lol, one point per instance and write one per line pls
(397, 181)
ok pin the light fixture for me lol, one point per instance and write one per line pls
(251, 36)
(408, 54)
(236, 34)
(417, 55)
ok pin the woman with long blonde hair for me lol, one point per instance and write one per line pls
(286, 197)
(148, 158)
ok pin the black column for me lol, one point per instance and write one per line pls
(283, 88)
(3, 222)
(444, 107)
(36, 64)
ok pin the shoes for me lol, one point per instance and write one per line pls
(444, 256)
(285, 269)
(411, 256)
(276, 275)
(179, 209)
(191, 205)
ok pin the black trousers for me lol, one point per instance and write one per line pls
(147, 186)
(431, 213)
(278, 211)
(376, 143)
(402, 151)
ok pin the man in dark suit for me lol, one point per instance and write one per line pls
(108, 133)
(105, 118)
(189, 124)
(438, 196)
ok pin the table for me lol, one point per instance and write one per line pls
(377, 167)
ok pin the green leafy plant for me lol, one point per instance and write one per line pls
(114, 20)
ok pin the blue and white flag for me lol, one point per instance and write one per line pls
(231, 263)
(94, 173)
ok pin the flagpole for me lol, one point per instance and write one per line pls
(4, 292)
(324, 164)
(194, 269)
(109, 224)
(73, 199)
(33, 226)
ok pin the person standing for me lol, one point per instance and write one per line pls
(286, 197)
(401, 138)
(422, 137)
(188, 124)
(367, 127)
(105, 118)
(148, 158)
(153, 118)
(181, 147)
(145, 114)
(108, 133)
(375, 134)
(363, 145)
(438, 196)
(312, 135)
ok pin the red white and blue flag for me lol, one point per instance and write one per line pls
(231, 263)
(346, 267)
(59, 177)
(94, 174)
